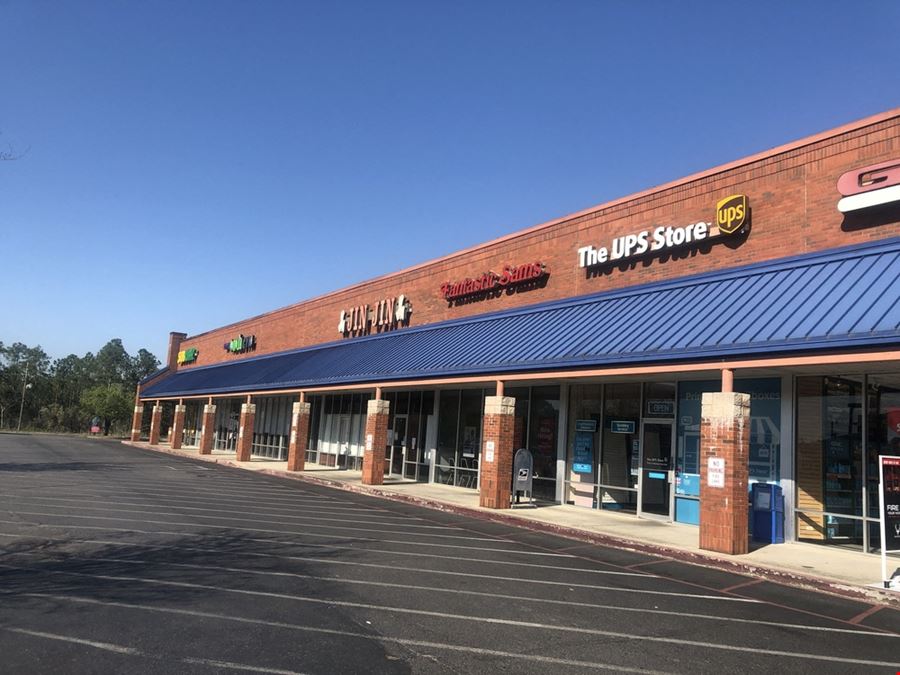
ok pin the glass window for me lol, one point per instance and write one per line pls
(585, 425)
(829, 459)
(448, 421)
(620, 449)
(659, 400)
(883, 430)
(542, 439)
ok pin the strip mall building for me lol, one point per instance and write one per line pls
(656, 354)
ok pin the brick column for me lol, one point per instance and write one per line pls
(155, 424)
(299, 436)
(245, 432)
(376, 442)
(497, 448)
(176, 433)
(724, 437)
(208, 429)
(136, 422)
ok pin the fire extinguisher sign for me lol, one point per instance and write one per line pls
(889, 475)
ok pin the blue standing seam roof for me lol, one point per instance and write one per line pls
(846, 298)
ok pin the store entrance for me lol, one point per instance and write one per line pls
(398, 444)
(657, 453)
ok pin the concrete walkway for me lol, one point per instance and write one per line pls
(839, 571)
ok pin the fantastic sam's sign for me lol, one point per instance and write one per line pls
(732, 216)
(488, 283)
(381, 316)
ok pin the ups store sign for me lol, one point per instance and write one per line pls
(732, 217)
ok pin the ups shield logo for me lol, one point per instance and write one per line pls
(732, 214)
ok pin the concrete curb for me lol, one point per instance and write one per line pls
(783, 576)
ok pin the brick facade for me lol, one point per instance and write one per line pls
(176, 435)
(299, 436)
(155, 424)
(376, 442)
(136, 421)
(725, 436)
(207, 429)
(497, 449)
(245, 432)
(792, 195)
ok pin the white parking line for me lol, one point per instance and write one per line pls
(593, 665)
(106, 646)
(432, 571)
(191, 487)
(513, 563)
(224, 515)
(249, 529)
(179, 502)
(862, 630)
(131, 651)
(472, 618)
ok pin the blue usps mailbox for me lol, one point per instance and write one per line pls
(767, 513)
(523, 473)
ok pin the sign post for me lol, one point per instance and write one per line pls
(889, 491)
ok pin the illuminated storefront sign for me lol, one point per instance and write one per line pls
(384, 315)
(491, 282)
(241, 344)
(871, 186)
(732, 216)
(188, 355)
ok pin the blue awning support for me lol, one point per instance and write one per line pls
(843, 299)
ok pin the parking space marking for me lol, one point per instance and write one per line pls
(474, 618)
(227, 516)
(247, 529)
(131, 651)
(102, 499)
(455, 591)
(594, 665)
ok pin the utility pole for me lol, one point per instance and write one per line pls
(22, 404)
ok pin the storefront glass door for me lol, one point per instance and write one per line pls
(656, 468)
(398, 445)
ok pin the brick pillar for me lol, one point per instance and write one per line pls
(155, 424)
(136, 422)
(176, 434)
(245, 432)
(498, 441)
(208, 429)
(376, 442)
(724, 437)
(299, 436)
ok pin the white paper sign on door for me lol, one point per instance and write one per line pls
(715, 472)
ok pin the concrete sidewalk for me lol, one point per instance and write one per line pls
(839, 571)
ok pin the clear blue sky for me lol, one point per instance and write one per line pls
(193, 163)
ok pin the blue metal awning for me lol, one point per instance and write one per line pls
(842, 299)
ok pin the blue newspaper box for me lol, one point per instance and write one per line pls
(767, 513)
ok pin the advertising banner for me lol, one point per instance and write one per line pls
(889, 487)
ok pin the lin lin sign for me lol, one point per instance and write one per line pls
(732, 216)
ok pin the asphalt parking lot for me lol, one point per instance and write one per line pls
(115, 559)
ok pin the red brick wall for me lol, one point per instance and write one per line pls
(299, 436)
(208, 429)
(376, 429)
(245, 433)
(498, 428)
(177, 435)
(792, 194)
(725, 434)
